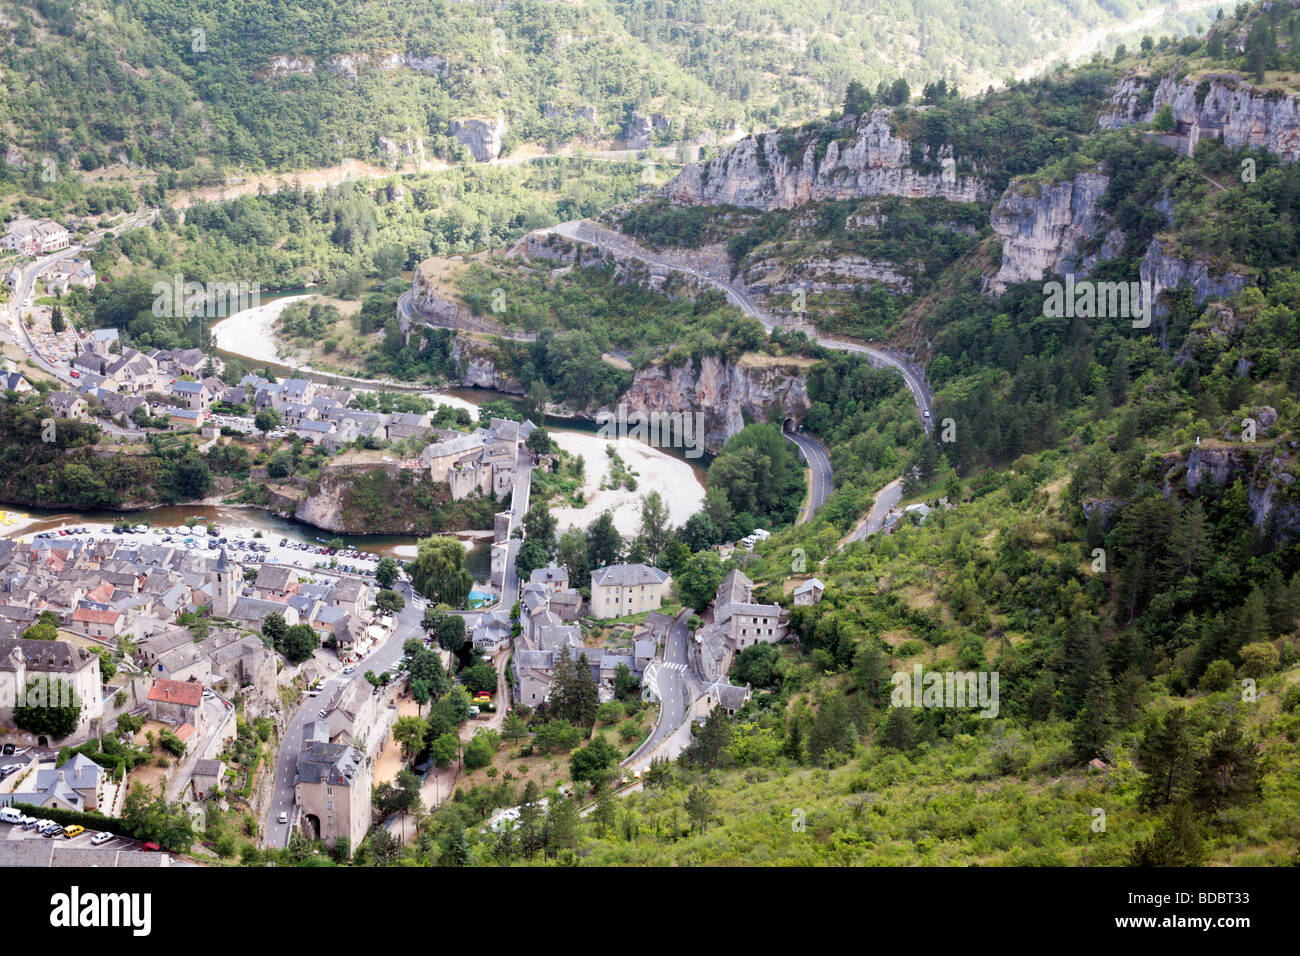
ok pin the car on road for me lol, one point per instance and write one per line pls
(284, 816)
(350, 669)
(8, 750)
(321, 715)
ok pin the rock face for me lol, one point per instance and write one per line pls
(871, 162)
(1044, 232)
(286, 65)
(344, 64)
(397, 151)
(428, 301)
(823, 274)
(638, 132)
(1268, 473)
(432, 64)
(483, 137)
(1165, 269)
(477, 364)
(725, 392)
(1223, 105)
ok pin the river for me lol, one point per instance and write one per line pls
(246, 335)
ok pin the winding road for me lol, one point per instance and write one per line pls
(583, 230)
(818, 459)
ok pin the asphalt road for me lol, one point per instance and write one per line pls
(381, 659)
(818, 459)
(886, 499)
(286, 762)
(737, 295)
(676, 681)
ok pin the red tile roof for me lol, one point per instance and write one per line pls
(184, 732)
(186, 692)
(89, 615)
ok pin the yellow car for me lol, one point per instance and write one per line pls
(73, 831)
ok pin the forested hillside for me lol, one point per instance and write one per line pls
(1113, 521)
(191, 88)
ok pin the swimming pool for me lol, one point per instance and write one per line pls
(479, 598)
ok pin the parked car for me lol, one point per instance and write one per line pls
(75, 830)
(101, 838)
(54, 831)
(150, 847)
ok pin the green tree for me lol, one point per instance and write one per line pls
(604, 543)
(1167, 759)
(50, 707)
(699, 807)
(266, 421)
(386, 572)
(389, 601)
(438, 571)
(300, 642)
(698, 583)
(594, 762)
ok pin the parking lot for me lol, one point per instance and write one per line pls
(240, 543)
(89, 839)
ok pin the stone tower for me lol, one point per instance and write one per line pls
(226, 578)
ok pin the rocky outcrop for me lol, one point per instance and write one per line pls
(476, 363)
(639, 131)
(1165, 268)
(1047, 230)
(862, 160)
(288, 65)
(410, 148)
(824, 274)
(346, 64)
(1268, 471)
(728, 393)
(483, 137)
(1222, 106)
(433, 65)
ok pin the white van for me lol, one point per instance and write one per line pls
(10, 815)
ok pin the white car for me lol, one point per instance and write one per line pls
(101, 837)
(284, 816)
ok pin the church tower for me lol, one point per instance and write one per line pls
(226, 579)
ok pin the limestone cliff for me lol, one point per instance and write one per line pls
(728, 393)
(483, 137)
(865, 158)
(383, 498)
(1053, 230)
(476, 362)
(1266, 469)
(1222, 105)
(1164, 267)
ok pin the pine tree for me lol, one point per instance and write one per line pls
(584, 695)
(1166, 758)
(1228, 773)
(560, 698)
(1177, 842)
(900, 729)
(1092, 726)
(699, 807)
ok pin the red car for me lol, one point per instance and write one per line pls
(151, 847)
(75, 374)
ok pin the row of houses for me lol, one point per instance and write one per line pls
(30, 237)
